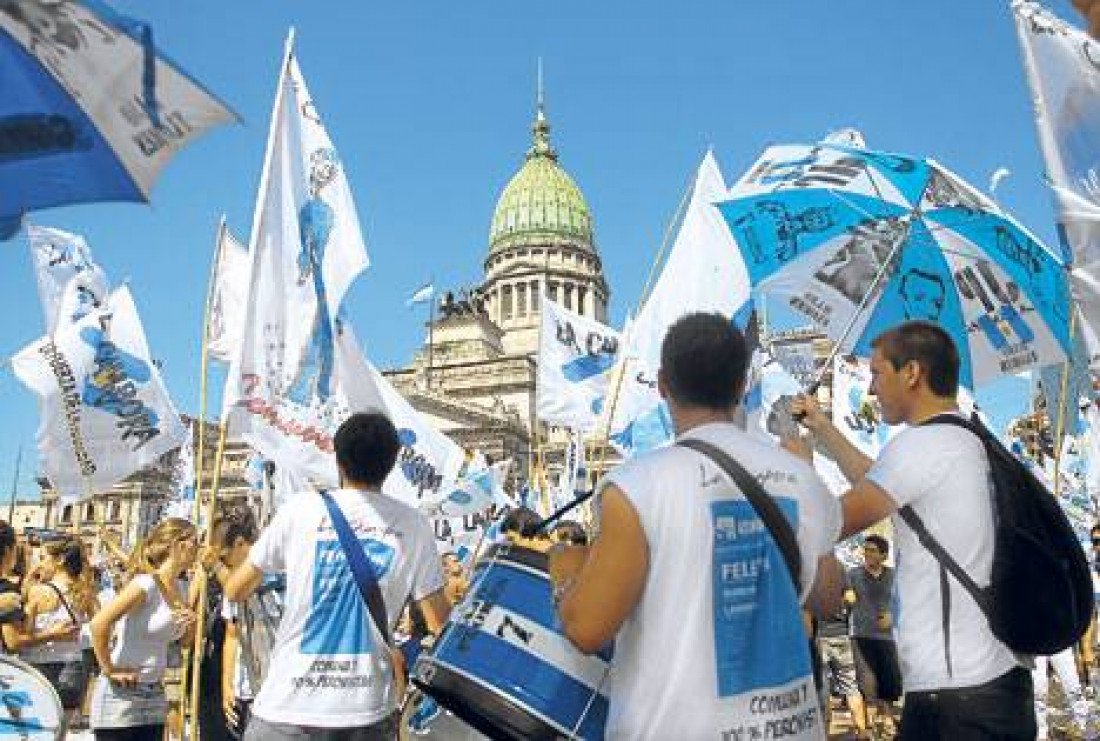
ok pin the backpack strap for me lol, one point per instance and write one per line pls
(948, 565)
(766, 508)
(360, 567)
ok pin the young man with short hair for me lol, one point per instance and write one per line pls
(960, 682)
(332, 676)
(685, 577)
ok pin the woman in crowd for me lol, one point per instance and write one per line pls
(148, 614)
(55, 611)
(11, 597)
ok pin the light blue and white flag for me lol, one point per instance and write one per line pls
(422, 295)
(1062, 70)
(70, 283)
(281, 391)
(704, 272)
(576, 356)
(429, 462)
(480, 488)
(856, 412)
(105, 411)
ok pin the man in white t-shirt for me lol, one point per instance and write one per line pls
(685, 577)
(331, 675)
(960, 683)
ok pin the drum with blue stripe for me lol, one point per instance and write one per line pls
(504, 666)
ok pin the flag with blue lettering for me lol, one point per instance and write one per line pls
(1062, 70)
(576, 356)
(105, 411)
(429, 462)
(282, 392)
(704, 272)
(70, 283)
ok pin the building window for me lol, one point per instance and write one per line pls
(521, 299)
(567, 297)
(67, 514)
(506, 303)
(534, 296)
(89, 512)
(580, 299)
(116, 511)
(552, 291)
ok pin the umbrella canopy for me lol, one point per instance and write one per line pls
(88, 110)
(859, 241)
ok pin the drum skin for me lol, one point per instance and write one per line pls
(29, 706)
(502, 663)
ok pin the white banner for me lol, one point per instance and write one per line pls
(576, 356)
(70, 283)
(704, 272)
(228, 297)
(856, 412)
(477, 490)
(282, 392)
(105, 411)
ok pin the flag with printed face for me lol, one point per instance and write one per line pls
(282, 393)
(229, 293)
(704, 272)
(1062, 70)
(105, 411)
(576, 355)
(70, 283)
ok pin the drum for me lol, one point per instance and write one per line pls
(502, 663)
(29, 706)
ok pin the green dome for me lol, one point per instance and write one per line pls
(541, 204)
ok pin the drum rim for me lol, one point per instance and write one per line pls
(551, 724)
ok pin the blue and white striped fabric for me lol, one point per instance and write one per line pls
(859, 241)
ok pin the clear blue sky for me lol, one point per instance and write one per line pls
(429, 104)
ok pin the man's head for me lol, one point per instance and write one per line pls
(235, 530)
(452, 566)
(913, 364)
(366, 449)
(519, 526)
(875, 550)
(704, 359)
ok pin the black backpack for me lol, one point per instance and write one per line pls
(1040, 598)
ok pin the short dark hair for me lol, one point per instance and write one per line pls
(236, 520)
(366, 447)
(520, 520)
(571, 532)
(704, 359)
(879, 542)
(927, 344)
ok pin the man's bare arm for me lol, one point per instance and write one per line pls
(865, 504)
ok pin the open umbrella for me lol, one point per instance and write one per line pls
(88, 110)
(859, 241)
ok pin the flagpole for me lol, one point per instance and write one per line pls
(1060, 425)
(204, 368)
(431, 338)
(15, 485)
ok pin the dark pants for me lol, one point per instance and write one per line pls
(1002, 709)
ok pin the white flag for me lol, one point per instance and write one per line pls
(1062, 72)
(105, 411)
(430, 461)
(856, 412)
(576, 356)
(477, 490)
(70, 283)
(228, 297)
(422, 295)
(281, 390)
(704, 272)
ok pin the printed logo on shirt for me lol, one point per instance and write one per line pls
(758, 636)
(338, 621)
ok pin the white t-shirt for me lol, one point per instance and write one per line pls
(143, 634)
(329, 667)
(942, 472)
(715, 648)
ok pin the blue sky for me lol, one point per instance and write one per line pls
(430, 103)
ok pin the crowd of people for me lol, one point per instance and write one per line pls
(727, 622)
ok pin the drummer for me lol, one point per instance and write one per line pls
(685, 577)
(519, 524)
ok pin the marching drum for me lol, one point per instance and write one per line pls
(502, 663)
(29, 706)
